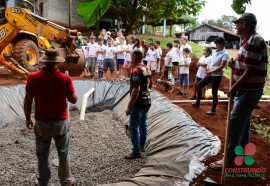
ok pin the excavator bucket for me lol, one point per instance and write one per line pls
(76, 67)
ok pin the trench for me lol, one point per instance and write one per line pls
(175, 143)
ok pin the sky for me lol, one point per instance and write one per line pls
(214, 9)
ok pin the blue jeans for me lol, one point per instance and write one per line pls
(244, 103)
(138, 128)
(59, 131)
(184, 79)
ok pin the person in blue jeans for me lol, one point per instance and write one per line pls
(214, 74)
(139, 104)
(249, 73)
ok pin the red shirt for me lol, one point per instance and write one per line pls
(50, 89)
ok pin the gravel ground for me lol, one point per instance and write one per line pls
(97, 147)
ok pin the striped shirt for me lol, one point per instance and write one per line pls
(253, 53)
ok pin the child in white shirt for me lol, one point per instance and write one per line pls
(184, 72)
(100, 57)
(92, 47)
(121, 55)
(159, 51)
(128, 51)
(166, 72)
(152, 61)
(83, 45)
(109, 59)
(203, 62)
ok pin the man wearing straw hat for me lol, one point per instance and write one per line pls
(50, 89)
(249, 71)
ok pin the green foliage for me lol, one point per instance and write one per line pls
(92, 11)
(132, 11)
(163, 40)
(261, 130)
(196, 49)
(239, 6)
(223, 22)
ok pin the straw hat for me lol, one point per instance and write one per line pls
(51, 55)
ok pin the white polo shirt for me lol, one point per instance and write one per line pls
(100, 56)
(92, 49)
(109, 52)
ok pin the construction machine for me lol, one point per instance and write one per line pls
(24, 35)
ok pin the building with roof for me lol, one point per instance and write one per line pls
(207, 32)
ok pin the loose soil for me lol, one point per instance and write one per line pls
(216, 124)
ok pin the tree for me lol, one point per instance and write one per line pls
(223, 22)
(239, 6)
(132, 11)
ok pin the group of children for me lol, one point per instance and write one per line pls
(176, 67)
(105, 57)
(118, 52)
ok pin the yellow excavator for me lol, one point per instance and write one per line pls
(24, 35)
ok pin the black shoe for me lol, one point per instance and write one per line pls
(203, 98)
(180, 93)
(196, 105)
(210, 112)
(193, 97)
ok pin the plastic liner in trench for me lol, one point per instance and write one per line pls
(175, 143)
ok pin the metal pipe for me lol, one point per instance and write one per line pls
(209, 101)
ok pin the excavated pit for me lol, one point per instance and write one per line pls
(174, 147)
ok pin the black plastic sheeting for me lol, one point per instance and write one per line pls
(175, 143)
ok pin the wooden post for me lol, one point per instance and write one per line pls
(227, 130)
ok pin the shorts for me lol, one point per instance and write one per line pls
(127, 63)
(100, 64)
(152, 65)
(175, 63)
(158, 67)
(108, 64)
(91, 61)
(198, 79)
(120, 61)
(145, 62)
(184, 79)
(166, 72)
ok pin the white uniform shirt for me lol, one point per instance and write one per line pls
(121, 55)
(201, 70)
(100, 56)
(84, 50)
(128, 54)
(140, 49)
(92, 49)
(167, 59)
(159, 51)
(175, 54)
(185, 69)
(109, 52)
(181, 50)
(153, 55)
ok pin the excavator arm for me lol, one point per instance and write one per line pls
(24, 19)
(15, 31)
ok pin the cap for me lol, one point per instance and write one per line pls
(51, 55)
(250, 18)
(108, 33)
